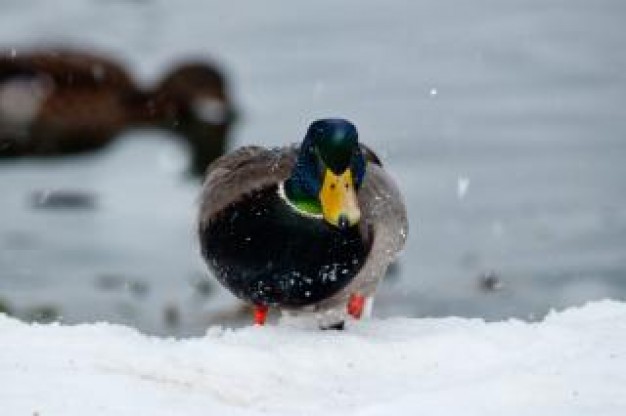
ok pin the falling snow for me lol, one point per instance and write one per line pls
(462, 186)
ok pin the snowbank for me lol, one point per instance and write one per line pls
(572, 363)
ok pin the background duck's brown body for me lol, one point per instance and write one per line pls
(63, 102)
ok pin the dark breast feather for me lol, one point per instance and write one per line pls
(266, 253)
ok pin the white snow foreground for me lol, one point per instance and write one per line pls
(572, 363)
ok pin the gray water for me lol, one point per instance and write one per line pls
(503, 123)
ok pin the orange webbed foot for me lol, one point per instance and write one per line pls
(356, 304)
(260, 314)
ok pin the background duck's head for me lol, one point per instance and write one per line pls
(193, 100)
(329, 173)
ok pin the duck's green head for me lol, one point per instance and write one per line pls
(329, 173)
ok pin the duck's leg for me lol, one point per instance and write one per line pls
(260, 314)
(356, 305)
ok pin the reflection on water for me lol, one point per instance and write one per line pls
(512, 170)
(127, 256)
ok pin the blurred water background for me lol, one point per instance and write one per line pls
(503, 122)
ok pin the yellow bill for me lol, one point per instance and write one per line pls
(338, 197)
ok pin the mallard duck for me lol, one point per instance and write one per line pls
(309, 228)
(57, 102)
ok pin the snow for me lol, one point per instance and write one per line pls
(572, 363)
(462, 186)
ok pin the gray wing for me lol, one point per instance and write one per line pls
(241, 172)
(386, 217)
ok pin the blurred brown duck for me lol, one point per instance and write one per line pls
(60, 102)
